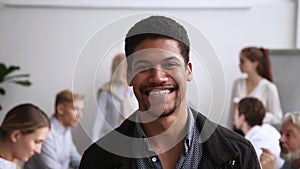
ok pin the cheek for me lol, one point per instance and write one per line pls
(71, 114)
(294, 144)
(24, 148)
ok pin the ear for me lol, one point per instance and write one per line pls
(14, 135)
(255, 63)
(243, 117)
(189, 71)
(60, 109)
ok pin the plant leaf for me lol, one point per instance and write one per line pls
(11, 69)
(15, 76)
(2, 71)
(2, 91)
(22, 82)
(5, 71)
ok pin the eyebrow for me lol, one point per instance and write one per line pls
(139, 62)
(171, 58)
(288, 131)
(165, 60)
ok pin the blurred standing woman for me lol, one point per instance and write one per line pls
(255, 62)
(22, 133)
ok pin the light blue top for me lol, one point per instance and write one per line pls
(5, 164)
(113, 103)
(58, 150)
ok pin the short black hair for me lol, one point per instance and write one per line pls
(156, 27)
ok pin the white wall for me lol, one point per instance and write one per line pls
(49, 43)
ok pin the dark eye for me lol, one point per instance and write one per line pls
(170, 65)
(38, 141)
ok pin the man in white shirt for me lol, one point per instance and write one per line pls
(58, 150)
(289, 143)
(249, 119)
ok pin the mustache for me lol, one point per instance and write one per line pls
(283, 145)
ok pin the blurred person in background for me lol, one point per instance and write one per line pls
(289, 143)
(256, 63)
(59, 150)
(116, 100)
(22, 133)
(249, 119)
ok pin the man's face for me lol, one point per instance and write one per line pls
(72, 112)
(158, 75)
(290, 141)
(238, 119)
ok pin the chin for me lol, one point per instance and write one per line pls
(290, 156)
(74, 125)
(168, 112)
(24, 159)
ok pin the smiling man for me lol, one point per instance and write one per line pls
(165, 132)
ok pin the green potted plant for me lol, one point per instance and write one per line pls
(7, 76)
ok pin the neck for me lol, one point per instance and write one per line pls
(168, 130)
(296, 163)
(246, 128)
(6, 150)
(254, 78)
(60, 120)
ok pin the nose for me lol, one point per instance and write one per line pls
(282, 139)
(38, 149)
(158, 75)
(79, 114)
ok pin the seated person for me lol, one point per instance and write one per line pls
(22, 133)
(59, 151)
(249, 119)
(289, 143)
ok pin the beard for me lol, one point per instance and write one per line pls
(163, 110)
(290, 156)
(160, 108)
(163, 114)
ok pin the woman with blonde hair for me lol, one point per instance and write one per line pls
(116, 100)
(22, 133)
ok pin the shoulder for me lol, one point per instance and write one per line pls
(90, 158)
(53, 131)
(240, 81)
(218, 132)
(229, 144)
(113, 146)
(118, 141)
(268, 128)
(234, 139)
(269, 85)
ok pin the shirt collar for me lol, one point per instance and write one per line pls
(190, 126)
(252, 132)
(58, 126)
(7, 164)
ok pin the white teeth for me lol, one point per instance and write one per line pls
(159, 92)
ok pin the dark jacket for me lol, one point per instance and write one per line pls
(223, 149)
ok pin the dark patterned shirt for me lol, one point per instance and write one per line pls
(189, 158)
